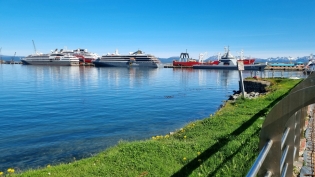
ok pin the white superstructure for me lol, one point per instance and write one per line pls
(53, 58)
(137, 58)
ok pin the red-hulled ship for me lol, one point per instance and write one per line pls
(229, 62)
(184, 60)
(85, 56)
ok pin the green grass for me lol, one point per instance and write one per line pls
(224, 144)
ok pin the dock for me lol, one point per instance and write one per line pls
(268, 67)
(171, 66)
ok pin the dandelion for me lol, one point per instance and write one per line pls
(167, 136)
(198, 153)
(49, 173)
(48, 166)
(10, 170)
(1, 173)
(184, 158)
(153, 138)
(185, 137)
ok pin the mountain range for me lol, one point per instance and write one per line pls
(304, 59)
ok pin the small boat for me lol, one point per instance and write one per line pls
(229, 62)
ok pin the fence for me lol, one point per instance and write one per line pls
(281, 132)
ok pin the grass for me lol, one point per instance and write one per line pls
(224, 144)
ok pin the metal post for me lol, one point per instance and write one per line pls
(240, 66)
(242, 83)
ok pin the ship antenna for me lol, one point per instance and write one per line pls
(34, 47)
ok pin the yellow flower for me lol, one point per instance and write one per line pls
(11, 170)
(48, 166)
(1, 173)
(153, 137)
(198, 153)
(185, 137)
(167, 136)
(184, 159)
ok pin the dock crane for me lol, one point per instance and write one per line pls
(12, 60)
(202, 56)
(34, 47)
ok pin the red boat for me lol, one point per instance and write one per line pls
(184, 60)
(247, 61)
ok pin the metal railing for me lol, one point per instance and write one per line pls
(281, 132)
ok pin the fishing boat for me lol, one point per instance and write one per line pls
(184, 60)
(133, 59)
(229, 62)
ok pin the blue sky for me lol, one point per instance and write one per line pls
(164, 28)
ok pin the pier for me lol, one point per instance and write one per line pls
(268, 67)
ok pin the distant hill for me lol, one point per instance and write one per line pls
(9, 58)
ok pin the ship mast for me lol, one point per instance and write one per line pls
(34, 47)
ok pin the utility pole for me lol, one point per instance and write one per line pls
(0, 56)
(240, 66)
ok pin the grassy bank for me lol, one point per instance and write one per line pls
(224, 144)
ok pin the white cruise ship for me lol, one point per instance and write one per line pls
(135, 59)
(53, 58)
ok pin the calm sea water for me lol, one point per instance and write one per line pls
(53, 114)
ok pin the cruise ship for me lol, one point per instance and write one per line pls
(53, 58)
(83, 55)
(133, 59)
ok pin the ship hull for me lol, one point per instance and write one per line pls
(54, 63)
(125, 64)
(192, 63)
(258, 67)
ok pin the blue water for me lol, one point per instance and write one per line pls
(54, 114)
